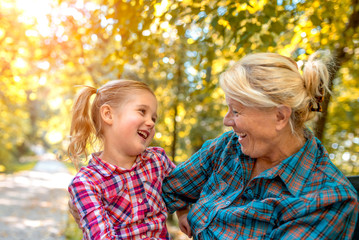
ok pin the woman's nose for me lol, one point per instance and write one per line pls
(227, 120)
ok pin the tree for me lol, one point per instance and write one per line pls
(179, 48)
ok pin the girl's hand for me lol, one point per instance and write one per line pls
(183, 222)
(74, 213)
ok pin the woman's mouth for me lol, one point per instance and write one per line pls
(241, 135)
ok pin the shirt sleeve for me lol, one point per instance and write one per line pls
(331, 214)
(167, 163)
(184, 185)
(95, 221)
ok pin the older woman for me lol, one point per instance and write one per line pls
(269, 178)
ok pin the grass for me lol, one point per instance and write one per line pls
(72, 231)
(17, 167)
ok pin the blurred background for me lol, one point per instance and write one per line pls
(179, 48)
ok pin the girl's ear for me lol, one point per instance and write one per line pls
(282, 116)
(106, 114)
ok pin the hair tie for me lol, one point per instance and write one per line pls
(318, 108)
(97, 92)
(318, 101)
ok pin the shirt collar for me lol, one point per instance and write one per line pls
(104, 168)
(294, 170)
(107, 169)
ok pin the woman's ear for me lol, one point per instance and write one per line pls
(283, 116)
(106, 114)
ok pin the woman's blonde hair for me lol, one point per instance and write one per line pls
(265, 80)
(86, 124)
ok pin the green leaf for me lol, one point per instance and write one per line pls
(315, 20)
(276, 27)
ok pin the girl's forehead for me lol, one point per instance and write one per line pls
(141, 98)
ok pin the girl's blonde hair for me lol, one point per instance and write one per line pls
(86, 124)
(269, 80)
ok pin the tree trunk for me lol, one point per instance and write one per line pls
(178, 88)
(340, 57)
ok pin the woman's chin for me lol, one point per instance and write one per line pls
(247, 152)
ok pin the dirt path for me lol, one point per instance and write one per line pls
(33, 204)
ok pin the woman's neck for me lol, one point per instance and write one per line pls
(288, 145)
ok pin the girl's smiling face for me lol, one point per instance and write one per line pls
(256, 128)
(132, 127)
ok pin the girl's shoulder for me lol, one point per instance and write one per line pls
(156, 154)
(158, 151)
(87, 174)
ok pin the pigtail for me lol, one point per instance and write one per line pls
(316, 79)
(82, 128)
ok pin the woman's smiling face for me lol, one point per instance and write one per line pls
(256, 128)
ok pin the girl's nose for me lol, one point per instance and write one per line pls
(150, 123)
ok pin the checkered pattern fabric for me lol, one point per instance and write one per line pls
(116, 203)
(304, 197)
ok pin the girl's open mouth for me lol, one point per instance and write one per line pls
(143, 134)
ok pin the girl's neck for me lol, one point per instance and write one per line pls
(118, 160)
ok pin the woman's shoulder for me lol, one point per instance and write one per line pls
(327, 178)
(224, 139)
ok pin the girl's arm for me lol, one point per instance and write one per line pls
(183, 221)
(94, 220)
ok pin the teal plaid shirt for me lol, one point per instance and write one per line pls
(304, 197)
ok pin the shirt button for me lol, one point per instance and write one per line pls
(140, 200)
(228, 202)
(132, 173)
(250, 191)
(143, 236)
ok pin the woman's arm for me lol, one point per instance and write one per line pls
(184, 185)
(331, 214)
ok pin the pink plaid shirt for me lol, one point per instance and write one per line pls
(116, 203)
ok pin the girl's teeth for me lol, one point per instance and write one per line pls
(143, 134)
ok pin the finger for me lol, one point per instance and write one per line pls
(189, 233)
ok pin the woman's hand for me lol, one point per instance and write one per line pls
(183, 222)
(74, 213)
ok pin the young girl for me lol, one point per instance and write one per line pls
(118, 195)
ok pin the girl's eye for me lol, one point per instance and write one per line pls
(154, 120)
(142, 111)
